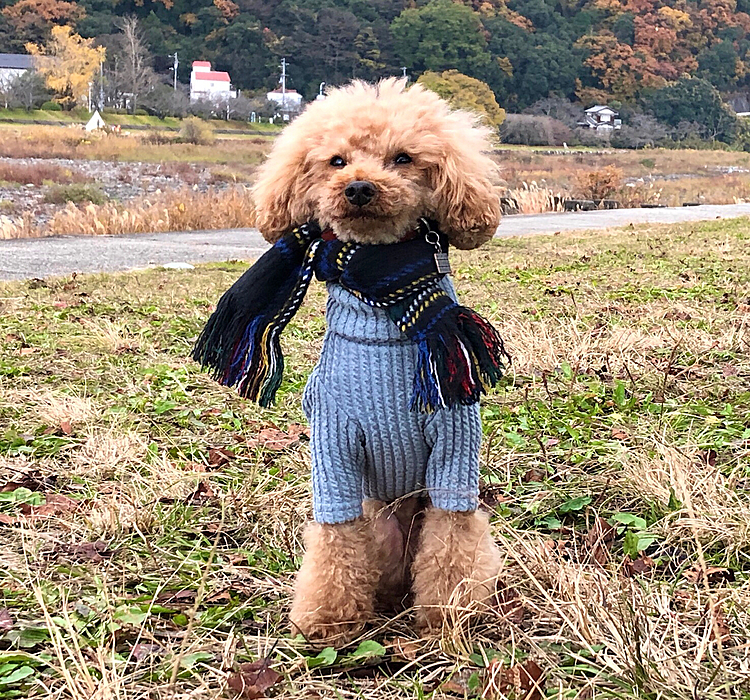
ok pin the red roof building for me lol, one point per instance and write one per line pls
(220, 76)
(209, 85)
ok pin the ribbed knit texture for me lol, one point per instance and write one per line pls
(365, 442)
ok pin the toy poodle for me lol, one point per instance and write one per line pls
(366, 190)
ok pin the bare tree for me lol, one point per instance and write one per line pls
(560, 108)
(135, 73)
(163, 101)
(28, 90)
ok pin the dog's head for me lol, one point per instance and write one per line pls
(369, 160)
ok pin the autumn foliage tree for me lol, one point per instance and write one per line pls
(465, 92)
(645, 44)
(32, 20)
(68, 63)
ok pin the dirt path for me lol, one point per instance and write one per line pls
(42, 257)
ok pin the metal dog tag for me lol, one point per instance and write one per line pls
(442, 263)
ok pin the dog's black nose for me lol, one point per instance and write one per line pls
(360, 192)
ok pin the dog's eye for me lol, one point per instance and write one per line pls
(337, 162)
(402, 159)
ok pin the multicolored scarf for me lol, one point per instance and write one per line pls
(460, 354)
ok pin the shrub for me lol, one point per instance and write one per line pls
(196, 131)
(642, 131)
(141, 113)
(531, 130)
(75, 193)
(599, 184)
(51, 106)
(158, 138)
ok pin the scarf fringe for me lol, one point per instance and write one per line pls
(240, 343)
(457, 362)
(264, 368)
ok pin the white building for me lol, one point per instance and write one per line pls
(288, 100)
(13, 65)
(209, 85)
(602, 118)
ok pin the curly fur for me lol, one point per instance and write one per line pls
(395, 534)
(368, 126)
(456, 565)
(335, 588)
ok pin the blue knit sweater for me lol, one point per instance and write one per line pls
(365, 442)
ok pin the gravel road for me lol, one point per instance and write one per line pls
(56, 256)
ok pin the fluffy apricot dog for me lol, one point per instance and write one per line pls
(367, 189)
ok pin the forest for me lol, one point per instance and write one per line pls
(525, 50)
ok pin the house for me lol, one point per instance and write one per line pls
(13, 65)
(209, 85)
(288, 100)
(602, 119)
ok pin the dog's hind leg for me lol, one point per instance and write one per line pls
(456, 566)
(335, 588)
(395, 531)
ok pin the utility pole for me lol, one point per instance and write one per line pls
(403, 70)
(101, 84)
(283, 84)
(175, 64)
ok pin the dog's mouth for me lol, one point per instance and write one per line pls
(363, 214)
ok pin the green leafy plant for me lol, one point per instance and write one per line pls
(77, 193)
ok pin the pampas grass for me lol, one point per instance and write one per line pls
(180, 210)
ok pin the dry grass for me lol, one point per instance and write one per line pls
(626, 408)
(652, 176)
(37, 173)
(72, 142)
(176, 210)
(532, 199)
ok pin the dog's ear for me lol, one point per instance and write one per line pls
(279, 191)
(465, 204)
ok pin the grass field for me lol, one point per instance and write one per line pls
(34, 141)
(82, 115)
(150, 521)
(651, 176)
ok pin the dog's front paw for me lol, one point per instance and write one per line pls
(455, 569)
(323, 628)
(335, 588)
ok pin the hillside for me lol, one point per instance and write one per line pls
(525, 50)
